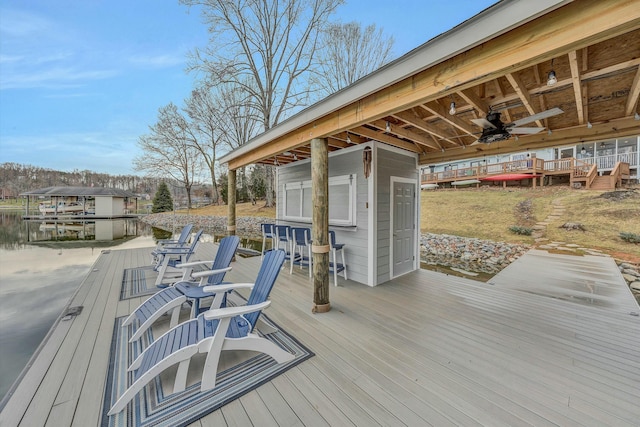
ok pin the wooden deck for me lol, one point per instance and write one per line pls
(425, 349)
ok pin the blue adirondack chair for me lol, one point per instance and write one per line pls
(169, 257)
(171, 298)
(211, 332)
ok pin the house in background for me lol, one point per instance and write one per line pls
(553, 165)
(80, 202)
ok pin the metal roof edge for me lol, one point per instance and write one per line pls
(488, 24)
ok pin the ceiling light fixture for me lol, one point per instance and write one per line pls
(452, 108)
(549, 132)
(637, 116)
(589, 125)
(348, 139)
(388, 127)
(552, 79)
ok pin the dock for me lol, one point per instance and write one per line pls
(424, 349)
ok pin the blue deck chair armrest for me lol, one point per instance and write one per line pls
(175, 251)
(167, 241)
(193, 264)
(173, 245)
(187, 269)
(225, 287)
(220, 313)
(208, 273)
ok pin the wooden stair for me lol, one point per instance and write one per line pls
(603, 183)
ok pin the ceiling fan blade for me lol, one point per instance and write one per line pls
(538, 116)
(525, 131)
(483, 123)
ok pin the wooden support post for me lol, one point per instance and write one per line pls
(231, 203)
(320, 229)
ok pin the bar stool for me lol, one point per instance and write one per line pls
(301, 243)
(334, 266)
(283, 239)
(267, 233)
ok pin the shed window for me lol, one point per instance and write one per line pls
(342, 200)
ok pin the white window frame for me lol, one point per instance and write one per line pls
(300, 186)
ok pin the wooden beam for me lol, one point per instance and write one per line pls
(634, 93)
(541, 100)
(618, 128)
(583, 84)
(441, 109)
(585, 77)
(520, 88)
(405, 133)
(422, 125)
(478, 103)
(573, 26)
(503, 91)
(338, 143)
(577, 85)
(231, 203)
(320, 226)
(382, 137)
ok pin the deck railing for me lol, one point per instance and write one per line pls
(533, 165)
(608, 162)
(578, 168)
(559, 165)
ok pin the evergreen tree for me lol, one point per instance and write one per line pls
(162, 202)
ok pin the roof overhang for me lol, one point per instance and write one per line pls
(495, 59)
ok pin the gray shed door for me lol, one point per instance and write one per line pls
(403, 227)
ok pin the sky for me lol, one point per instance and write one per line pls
(82, 80)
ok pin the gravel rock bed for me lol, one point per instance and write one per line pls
(451, 251)
(631, 274)
(469, 254)
(217, 225)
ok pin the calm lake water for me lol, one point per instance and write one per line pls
(41, 266)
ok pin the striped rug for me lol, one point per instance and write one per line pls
(155, 407)
(140, 281)
(135, 280)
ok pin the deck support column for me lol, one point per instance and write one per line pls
(320, 226)
(231, 203)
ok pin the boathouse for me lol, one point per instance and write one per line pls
(518, 76)
(79, 202)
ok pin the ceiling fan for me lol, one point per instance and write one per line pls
(494, 130)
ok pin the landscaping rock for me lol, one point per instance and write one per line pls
(468, 254)
(573, 226)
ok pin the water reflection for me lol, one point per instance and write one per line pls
(41, 266)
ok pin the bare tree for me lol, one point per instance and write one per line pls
(350, 52)
(266, 47)
(169, 150)
(241, 122)
(205, 130)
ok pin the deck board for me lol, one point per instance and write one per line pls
(424, 349)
